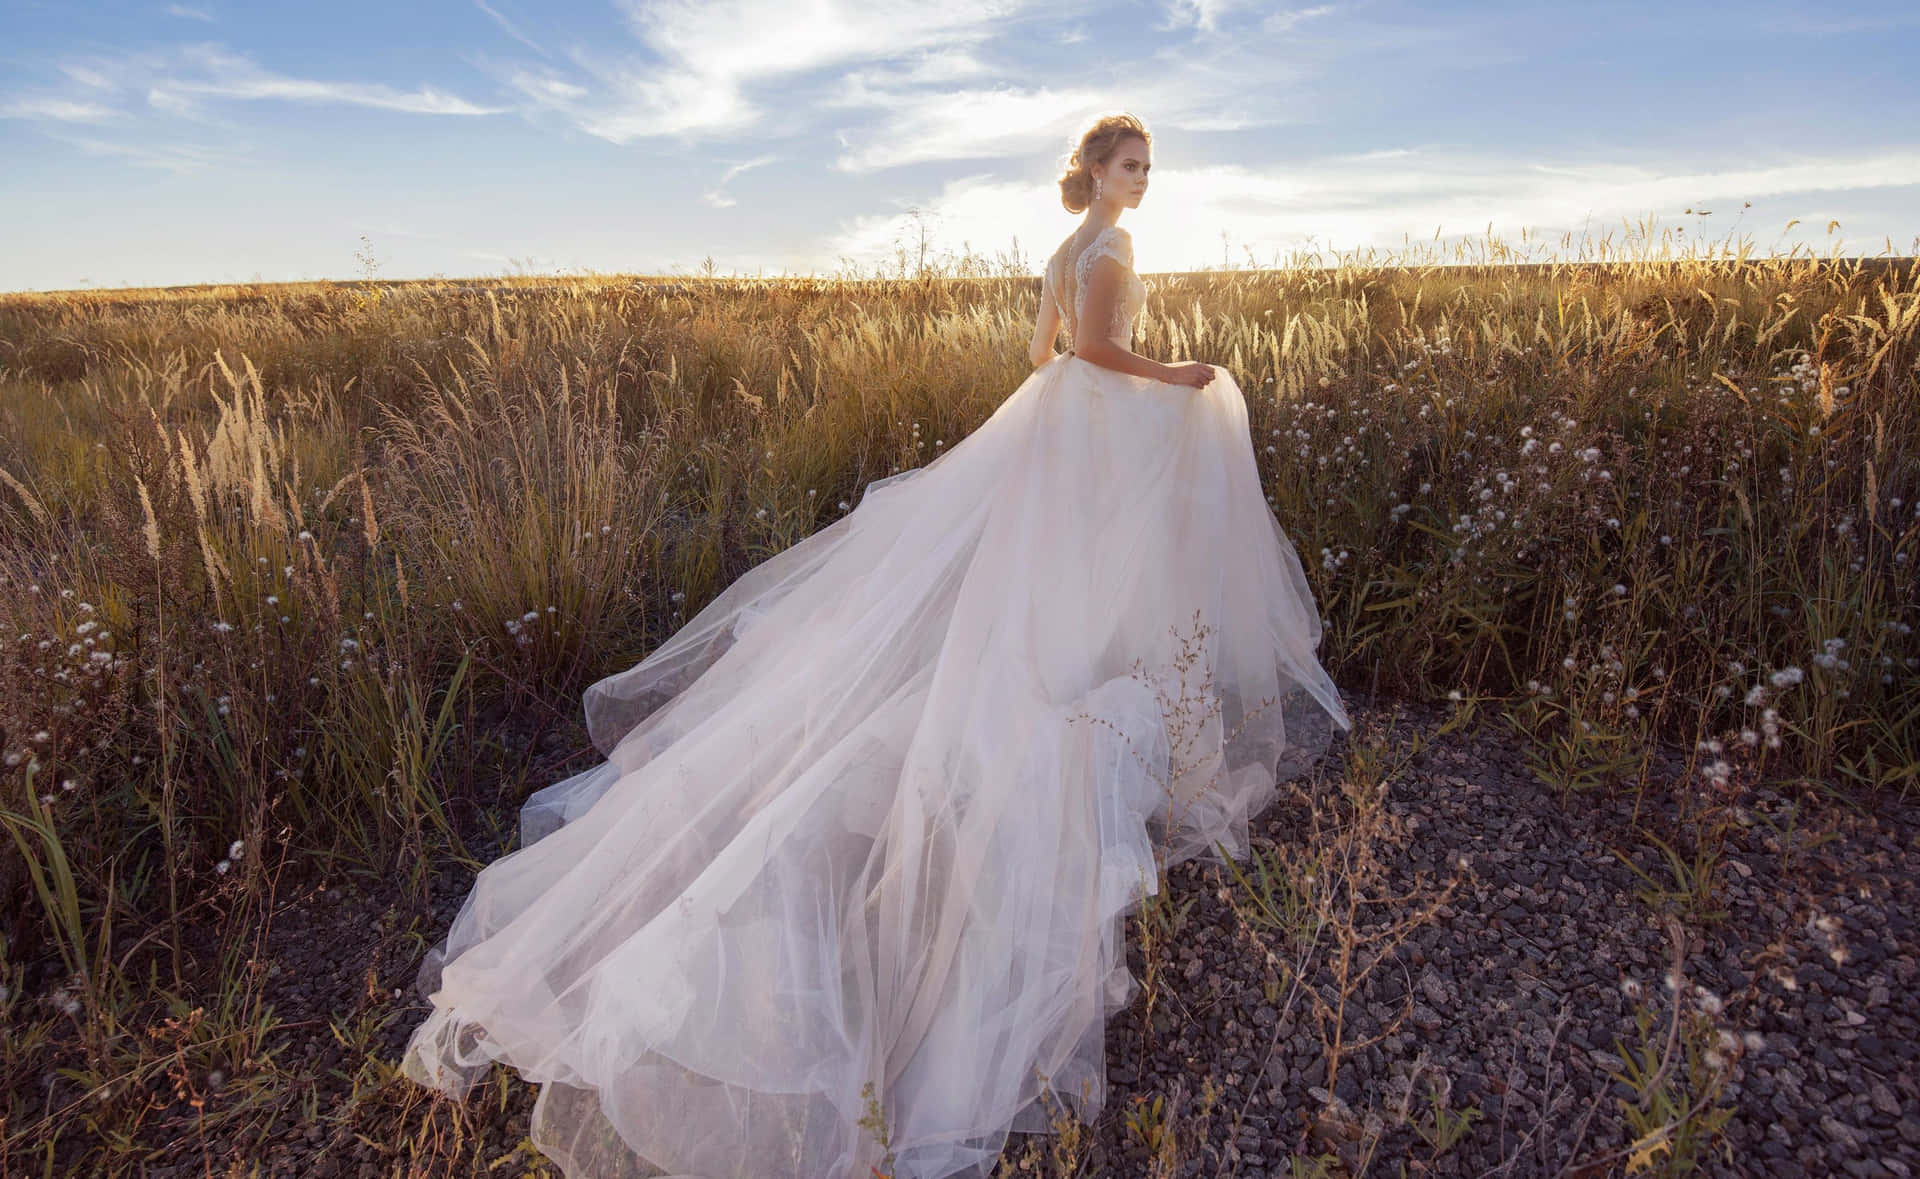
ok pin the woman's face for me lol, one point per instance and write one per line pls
(1123, 178)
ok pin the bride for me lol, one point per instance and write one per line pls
(847, 896)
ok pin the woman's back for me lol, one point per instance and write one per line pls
(1070, 268)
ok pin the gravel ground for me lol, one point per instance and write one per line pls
(1510, 1000)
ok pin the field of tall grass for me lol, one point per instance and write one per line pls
(292, 576)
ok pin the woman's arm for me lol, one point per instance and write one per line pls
(1046, 326)
(1089, 335)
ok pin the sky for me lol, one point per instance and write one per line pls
(210, 142)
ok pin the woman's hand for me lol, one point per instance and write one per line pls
(1192, 373)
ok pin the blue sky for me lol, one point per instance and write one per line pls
(216, 142)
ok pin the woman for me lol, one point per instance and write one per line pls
(859, 858)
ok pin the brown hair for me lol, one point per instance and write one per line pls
(1096, 147)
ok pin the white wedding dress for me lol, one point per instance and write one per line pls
(871, 821)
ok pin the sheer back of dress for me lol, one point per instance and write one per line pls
(1068, 270)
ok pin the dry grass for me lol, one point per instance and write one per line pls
(266, 553)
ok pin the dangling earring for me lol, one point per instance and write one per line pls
(1096, 188)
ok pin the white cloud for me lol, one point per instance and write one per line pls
(186, 13)
(1381, 201)
(758, 162)
(1287, 18)
(718, 197)
(713, 56)
(546, 91)
(169, 81)
(178, 158)
(229, 76)
(1204, 15)
(944, 65)
(173, 104)
(87, 77)
(511, 29)
(925, 125)
(58, 110)
(921, 126)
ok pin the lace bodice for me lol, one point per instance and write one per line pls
(1066, 281)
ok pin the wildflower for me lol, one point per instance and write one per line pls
(1619, 590)
(1631, 988)
(1787, 676)
(223, 866)
(530, 616)
(349, 644)
(1753, 1041)
(222, 626)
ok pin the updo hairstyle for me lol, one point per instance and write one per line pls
(1096, 147)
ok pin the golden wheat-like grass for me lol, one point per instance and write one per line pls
(296, 563)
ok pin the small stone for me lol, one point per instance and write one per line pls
(1839, 1132)
(1883, 1099)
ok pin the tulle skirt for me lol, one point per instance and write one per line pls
(858, 859)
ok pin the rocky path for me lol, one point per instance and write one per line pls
(1507, 1001)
